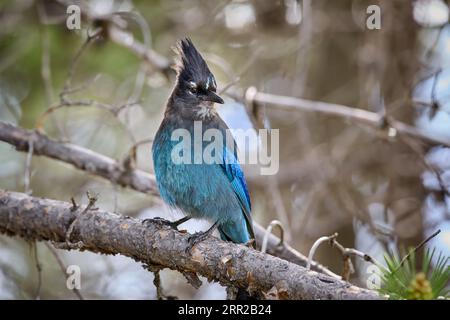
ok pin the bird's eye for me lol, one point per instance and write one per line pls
(193, 90)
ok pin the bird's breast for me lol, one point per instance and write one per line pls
(205, 111)
(200, 190)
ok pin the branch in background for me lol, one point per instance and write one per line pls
(28, 173)
(129, 161)
(288, 253)
(126, 40)
(111, 170)
(251, 95)
(279, 248)
(115, 27)
(158, 245)
(38, 265)
(346, 254)
(79, 157)
(65, 101)
(269, 230)
(420, 245)
(67, 89)
(371, 119)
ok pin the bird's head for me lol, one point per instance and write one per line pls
(196, 85)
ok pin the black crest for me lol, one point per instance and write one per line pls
(191, 67)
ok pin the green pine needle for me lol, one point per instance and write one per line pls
(401, 280)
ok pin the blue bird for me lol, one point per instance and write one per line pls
(213, 191)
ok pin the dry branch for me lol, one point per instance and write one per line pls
(158, 245)
(126, 39)
(79, 157)
(371, 119)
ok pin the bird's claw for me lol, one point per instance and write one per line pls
(161, 222)
(196, 238)
(250, 243)
(199, 237)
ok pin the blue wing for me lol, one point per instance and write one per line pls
(236, 176)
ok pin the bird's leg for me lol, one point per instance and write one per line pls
(200, 236)
(162, 221)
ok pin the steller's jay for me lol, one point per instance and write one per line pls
(217, 191)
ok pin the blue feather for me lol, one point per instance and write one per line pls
(243, 231)
(236, 176)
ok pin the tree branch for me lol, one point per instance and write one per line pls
(156, 244)
(371, 119)
(79, 157)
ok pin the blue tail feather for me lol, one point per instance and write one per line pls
(237, 232)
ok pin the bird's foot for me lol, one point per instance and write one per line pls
(161, 222)
(199, 237)
(251, 243)
(196, 238)
(164, 222)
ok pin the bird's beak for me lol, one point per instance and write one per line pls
(212, 96)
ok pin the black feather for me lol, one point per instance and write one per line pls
(191, 66)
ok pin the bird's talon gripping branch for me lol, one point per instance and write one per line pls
(250, 243)
(199, 237)
(163, 222)
(194, 239)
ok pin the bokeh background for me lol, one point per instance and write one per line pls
(335, 175)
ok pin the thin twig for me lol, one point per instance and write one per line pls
(435, 82)
(351, 251)
(45, 58)
(129, 161)
(76, 58)
(127, 40)
(157, 282)
(420, 245)
(115, 197)
(28, 173)
(46, 73)
(269, 228)
(83, 86)
(412, 144)
(38, 269)
(90, 206)
(430, 50)
(345, 252)
(63, 268)
(316, 245)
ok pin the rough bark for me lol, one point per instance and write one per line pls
(159, 246)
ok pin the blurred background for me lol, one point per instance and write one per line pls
(378, 192)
